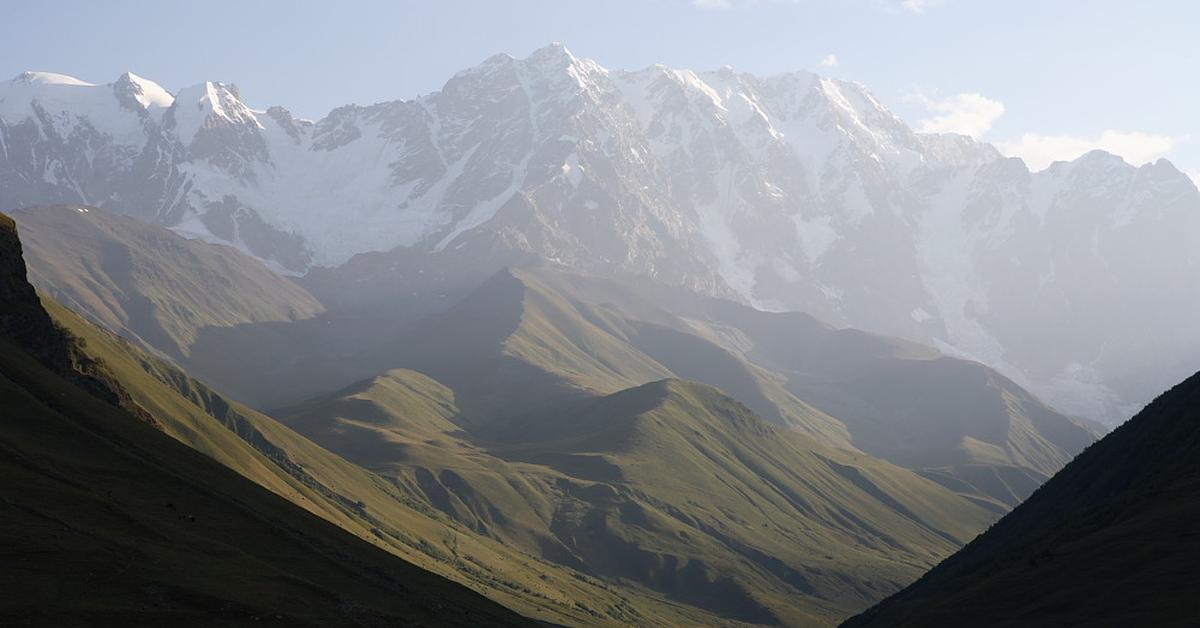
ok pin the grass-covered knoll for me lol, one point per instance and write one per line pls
(671, 487)
(508, 347)
(148, 283)
(957, 421)
(378, 421)
(1111, 540)
(512, 412)
(778, 525)
(539, 335)
(395, 517)
(519, 342)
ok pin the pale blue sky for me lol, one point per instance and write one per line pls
(1058, 73)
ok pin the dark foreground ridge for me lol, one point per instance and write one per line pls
(105, 520)
(1111, 540)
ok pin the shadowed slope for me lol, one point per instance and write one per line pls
(1111, 540)
(108, 521)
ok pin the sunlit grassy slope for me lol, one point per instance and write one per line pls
(959, 422)
(393, 517)
(106, 520)
(519, 342)
(389, 517)
(540, 335)
(148, 283)
(470, 424)
(670, 486)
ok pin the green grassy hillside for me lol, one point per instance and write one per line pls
(468, 424)
(106, 520)
(956, 421)
(1111, 540)
(518, 343)
(539, 335)
(485, 416)
(758, 518)
(671, 486)
(392, 518)
(147, 283)
(395, 517)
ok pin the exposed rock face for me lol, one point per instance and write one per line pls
(26, 324)
(22, 318)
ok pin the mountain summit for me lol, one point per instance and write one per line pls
(794, 191)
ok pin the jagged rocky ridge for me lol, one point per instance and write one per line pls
(789, 192)
(24, 323)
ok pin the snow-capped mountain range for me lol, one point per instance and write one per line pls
(789, 192)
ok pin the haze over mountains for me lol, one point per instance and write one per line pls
(540, 476)
(656, 504)
(789, 192)
(545, 334)
(581, 346)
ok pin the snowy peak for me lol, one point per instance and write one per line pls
(793, 191)
(953, 149)
(137, 92)
(552, 58)
(209, 105)
(544, 72)
(16, 93)
(553, 55)
(557, 59)
(816, 118)
(1101, 159)
(58, 104)
(48, 78)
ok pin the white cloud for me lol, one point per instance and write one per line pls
(968, 114)
(919, 6)
(829, 61)
(1136, 147)
(713, 4)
